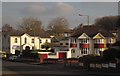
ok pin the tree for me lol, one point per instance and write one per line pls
(58, 25)
(26, 52)
(111, 54)
(108, 22)
(46, 45)
(7, 29)
(30, 25)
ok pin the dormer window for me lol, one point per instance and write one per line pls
(84, 41)
(99, 41)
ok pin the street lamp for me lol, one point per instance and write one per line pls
(86, 16)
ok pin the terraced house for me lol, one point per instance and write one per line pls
(88, 40)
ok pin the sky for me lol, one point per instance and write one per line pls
(14, 12)
(60, 0)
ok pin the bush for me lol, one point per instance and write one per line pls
(109, 54)
(90, 58)
(17, 52)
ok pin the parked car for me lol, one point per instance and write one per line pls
(14, 58)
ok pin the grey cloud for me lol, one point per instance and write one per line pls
(33, 9)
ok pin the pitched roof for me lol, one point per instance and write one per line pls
(42, 34)
(91, 31)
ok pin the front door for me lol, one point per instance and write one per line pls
(62, 54)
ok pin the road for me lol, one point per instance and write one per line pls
(30, 68)
(24, 69)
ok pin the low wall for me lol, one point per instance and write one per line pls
(52, 56)
(106, 67)
(57, 60)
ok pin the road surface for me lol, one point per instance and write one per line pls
(31, 69)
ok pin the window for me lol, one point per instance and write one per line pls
(15, 40)
(66, 43)
(72, 51)
(61, 43)
(25, 40)
(110, 41)
(80, 41)
(84, 41)
(73, 40)
(81, 51)
(46, 40)
(40, 41)
(84, 51)
(32, 41)
(97, 51)
(99, 41)
(32, 47)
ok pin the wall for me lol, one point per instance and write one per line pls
(91, 51)
(53, 56)
(12, 43)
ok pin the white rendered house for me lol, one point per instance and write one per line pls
(21, 41)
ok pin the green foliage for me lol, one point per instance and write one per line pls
(90, 58)
(26, 53)
(29, 54)
(17, 52)
(111, 54)
(46, 46)
(108, 22)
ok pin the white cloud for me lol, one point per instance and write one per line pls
(65, 8)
